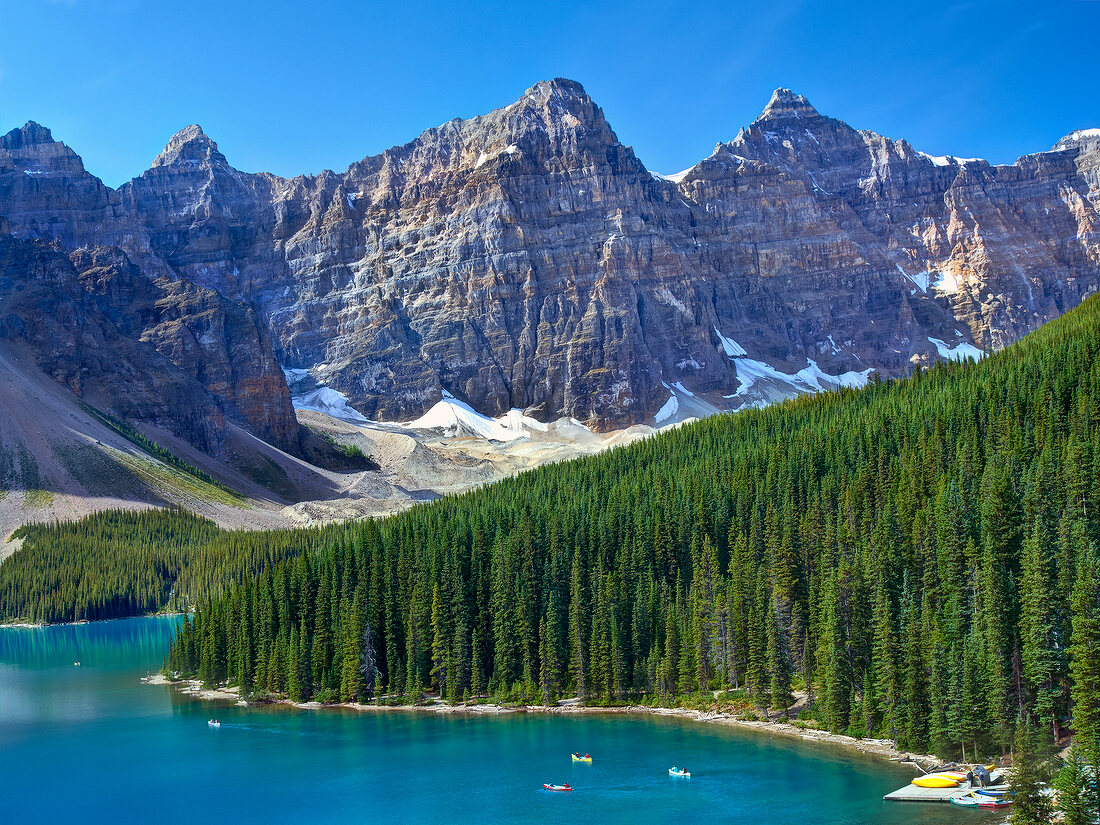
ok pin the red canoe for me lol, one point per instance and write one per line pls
(564, 787)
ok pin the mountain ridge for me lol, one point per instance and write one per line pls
(526, 258)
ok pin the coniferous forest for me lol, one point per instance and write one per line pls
(921, 557)
(113, 564)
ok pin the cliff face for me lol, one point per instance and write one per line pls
(526, 258)
(167, 353)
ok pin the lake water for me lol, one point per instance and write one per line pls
(92, 743)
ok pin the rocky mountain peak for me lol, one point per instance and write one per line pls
(33, 149)
(560, 88)
(787, 104)
(565, 101)
(1078, 137)
(190, 145)
(31, 134)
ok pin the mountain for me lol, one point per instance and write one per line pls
(526, 259)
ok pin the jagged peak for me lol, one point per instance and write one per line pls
(561, 96)
(560, 87)
(189, 145)
(787, 104)
(30, 134)
(1076, 138)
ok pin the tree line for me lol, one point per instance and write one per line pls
(121, 563)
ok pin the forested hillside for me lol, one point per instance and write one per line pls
(921, 555)
(114, 564)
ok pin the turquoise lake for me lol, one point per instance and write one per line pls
(93, 743)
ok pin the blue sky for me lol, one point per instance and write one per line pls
(299, 87)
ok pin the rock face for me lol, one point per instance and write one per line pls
(171, 354)
(526, 258)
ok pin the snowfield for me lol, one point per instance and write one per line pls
(959, 352)
(666, 412)
(458, 418)
(810, 378)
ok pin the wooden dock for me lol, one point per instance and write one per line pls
(915, 793)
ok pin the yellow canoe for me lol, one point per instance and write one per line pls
(581, 758)
(939, 780)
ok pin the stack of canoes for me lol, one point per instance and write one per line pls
(943, 779)
(985, 798)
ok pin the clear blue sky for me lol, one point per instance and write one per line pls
(299, 87)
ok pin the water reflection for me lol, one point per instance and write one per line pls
(97, 644)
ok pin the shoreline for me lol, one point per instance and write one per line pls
(880, 748)
(40, 625)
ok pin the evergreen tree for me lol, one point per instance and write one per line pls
(1077, 798)
(1030, 773)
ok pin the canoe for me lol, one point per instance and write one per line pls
(585, 758)
(993, 792)
(564, 787)
(678, 772)
(214, 723)
(966, 800)
(938, 780)
(990, 802)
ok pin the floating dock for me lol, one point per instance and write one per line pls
(915, 793)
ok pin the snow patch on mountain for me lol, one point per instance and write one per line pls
(515, 421)
(731, 347)
(771, 384)
(457, 418)
(306, 395)
(949, 160)
(669, 409)
(673, 178)
(921, 279)
(958, 352)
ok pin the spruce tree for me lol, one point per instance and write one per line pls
(1030, 773)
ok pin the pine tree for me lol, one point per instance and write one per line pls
(1077, 798)
(1084, 660)
(578, 613)
(780, 668)
(1030, 773)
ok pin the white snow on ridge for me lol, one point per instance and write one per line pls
(957, 353)
(674, 178)
(810, 378)
(814, 376)
(459, 418)
(669, 409)
(732, 348)
(517, 422)
(939, 160)
(949, 160)
(1084, 133)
